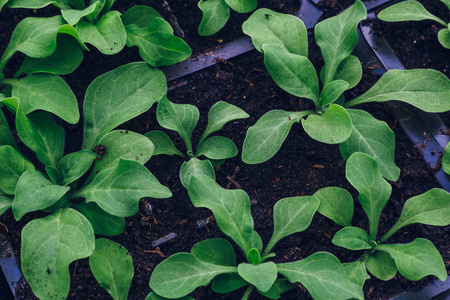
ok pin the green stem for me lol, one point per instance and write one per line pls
(247, 292)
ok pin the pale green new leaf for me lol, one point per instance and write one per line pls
(266, 26)
(215, 251)
(352, 238)
(410, 10)
(262, 276)
(74, 165)
(12, 166)
(118, 96)
(217, 147)
(417, 259)
(336, 204)
(162, 143)
(6, 137)
(112, 267)
(215, 15)
(73, 16)
(49, 245)
(195, 166)
(356, 272)
(231, 208)
(332, 91)
(180, 274)
(5, 203)
(102, 222)
(426, 89)
(444, 37)
(381, 265)
(242, 6)
(323, 276)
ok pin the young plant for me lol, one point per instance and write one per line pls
(214, 260)
(412, 10)
(78, 209)
(210, 151)
(333, 120)
(217, 12)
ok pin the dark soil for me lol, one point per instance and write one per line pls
(301, 167)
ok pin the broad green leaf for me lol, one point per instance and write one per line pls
(108, 35)
(215, 251)
(78, 4)
(162, 143)
(5, 204)
(112, 267)
(45, 92)
(410, 10)
(74, 165)
(54, 175)
(446, 2)
(217, 147)
(35, 37)
(6, 137)
(118, 96)
(32, 4)
(444, 37)
(102, 222)
(142, 16)
(334, 126)
(291, 215)
(337, 38)
(349, 70)
(226, 283)
(262, 276)
(117, 190)
(266, 26)
(242, 7)
(231, 208)
(336, 204)
(430, 208)
(253, 256)
(70, 30)
(374, 138)
(153, 296)
(66, 58)
(73, 16)
(323, 275)
(272, 293)
(181, 118)
(381, 265)
(35, 192)
(2, 3)
(332, 91)
(182, 273)
(215, 15)
(356, 272)
(49, 245)
(292, 72)
(220, 114)
(103, 7)
(445, 159)
(195, 166)
(264, 139)
(352, 238)
(374, 192)
(12, 166)
(426, 89)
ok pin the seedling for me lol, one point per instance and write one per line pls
(79, 206)
(214, 260)
(412, 10)
(283, 40)
(210, 151)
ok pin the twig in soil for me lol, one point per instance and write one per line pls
(157, 251)
(4, 226)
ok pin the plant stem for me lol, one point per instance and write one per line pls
(247, 292)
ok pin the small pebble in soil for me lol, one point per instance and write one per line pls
(164, 239)
(253, 202)
(202, 223)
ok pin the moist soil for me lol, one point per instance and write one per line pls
(300, 168)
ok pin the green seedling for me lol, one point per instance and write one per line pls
(214, 260)
(80, 205)
(412, 10)
(333, 120)
(210, 151)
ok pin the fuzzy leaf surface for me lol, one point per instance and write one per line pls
(356, 272)
(410, 10)
(12, 166)
(217, 147)
(162, 143)
(215, 251)
(242, 6)
(215, 15)
(262, 276)
(195, 166)
(336, 204)
(74, 165)
(6, 137)
(381, 265)
(352, 238)
(102, 222)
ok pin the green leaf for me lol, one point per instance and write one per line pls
(67, 236)
(102, 222)
(444, 37)
(215, 251)
(332, 91)
(374, 138)
(108, 35)
(195, 166)
(253, 256)
(430, 208)
(323, 275)
(272, 293)
(45, 92)
(2, 3)
(181, 118)
(35, 192)
(162, 143)
(6, 137)
(32, 4)
(446, 2)
(332, 127)
(180, 274)
(337, 38)
(5, 204)
(257, 242)
(226, 283)
(118, 190)
(352, 238)
(356, 272)
(103, 7)
(74, 165)
(231, 208)
(262, 276)
(118, 96)
(266, 26)
(78, 4)
(264, 139)
(12, 166)
(217, 147)
(73, 16)
(291, 215)
(410, 10)
(142, 16)
(220, 114)
(349, 70)
(381, 265)
(336, 204)
(53, 174)
(293, 73)
(153, 296)
(112, 267)
(215, 15)
(242, 7)
(445, 159)
(426, 89)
